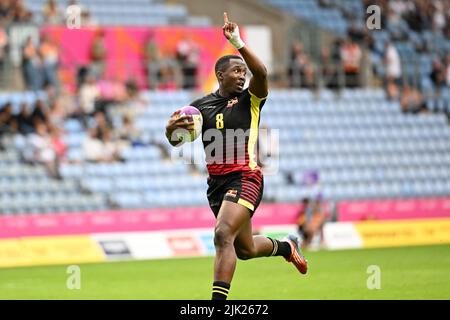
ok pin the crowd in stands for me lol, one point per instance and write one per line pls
(13, 11)
(341, 65)
(177, 70)
(40, 57)
(403, 19)
(41, 125)
(42, 131)
(336, 67)
(419, 15)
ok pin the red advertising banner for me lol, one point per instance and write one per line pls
(125, 48)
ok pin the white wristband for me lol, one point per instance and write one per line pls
(235, 39)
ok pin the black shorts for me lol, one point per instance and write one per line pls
(245, 188)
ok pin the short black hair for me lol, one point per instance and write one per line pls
(224, 61)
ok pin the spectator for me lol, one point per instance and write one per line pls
(81, 75)
(49, 54)
(112, 91)
(24, 120)
(109, 92)
(169, 78)
(351, 60)
(336, 51)
(103, 149)
(356, 33)
(40, 112)
(135, 103)
(88, 94)
(98, 54)
(87, 20)
(392, 62)
(128, 134)
(31, 66)
(329, 69)
(20, 13)
(6, 120)
(6, 12)
(110, 147)
(133, 94)
(393, 70)
(57, 114)
(392, 90)
(58, 144)
(439, 19)
(419, 16)
(92, 146)
(412, 100)
(301, 70)
(310, 220)
(102, 124)
(153, 61)
(52, 13)
(69, 101)
(43, 151)
(437, 75)
(187, 55)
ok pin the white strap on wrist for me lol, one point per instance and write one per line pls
(235, 39)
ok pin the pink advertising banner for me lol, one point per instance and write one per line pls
(394, 209)
(131, 220)
(125, 49)
(202, 217)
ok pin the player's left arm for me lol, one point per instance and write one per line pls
(258, 83)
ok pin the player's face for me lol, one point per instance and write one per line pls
(234, 76)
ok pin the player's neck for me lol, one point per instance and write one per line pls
(224, 93)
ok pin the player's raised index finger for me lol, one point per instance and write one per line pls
(225, 17)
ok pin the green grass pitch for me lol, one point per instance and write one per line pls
(406, 273)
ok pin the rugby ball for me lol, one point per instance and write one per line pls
(195, 131)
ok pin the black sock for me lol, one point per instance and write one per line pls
(280, 248)
(220, 290)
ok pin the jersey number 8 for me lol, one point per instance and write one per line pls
(219, 121)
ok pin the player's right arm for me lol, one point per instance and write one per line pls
(258, 83)
(177, 122)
